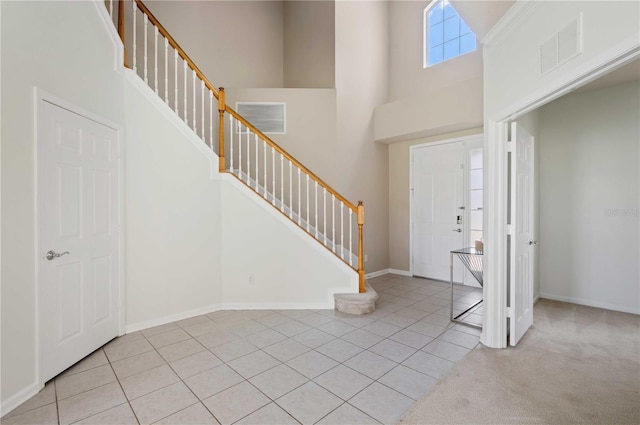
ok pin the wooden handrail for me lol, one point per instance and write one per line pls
(291, 158)
(176, 46)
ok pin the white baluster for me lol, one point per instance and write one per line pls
(175, 81)
(111, 8)
(185, 91)
(193, 84)
(315, 201)
(342, 230)
(273, 175)
(299, 198)
(248, 159)
(324, 215)
(239, 149)
(282, 183)
(264, 165)
(307, 202)
(155, 59)
(166, 71)
(231, 128)
(257, 162)
(202, 109)
(211, 115)
(333, 221)
(350, 235)
(146, 21)
(135, 11)
(290, 191)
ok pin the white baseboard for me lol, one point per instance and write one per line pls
(591, 303)
(277, 306)
(376, 274)
(17, 399)
(134, 327)
(139, 326)
(536, 299)
(400, 272)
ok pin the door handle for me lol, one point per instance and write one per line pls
(533, 242)
(457, 230)
(52, 254)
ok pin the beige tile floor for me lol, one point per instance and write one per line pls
(269, 367)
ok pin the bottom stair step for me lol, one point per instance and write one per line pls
(357, 303)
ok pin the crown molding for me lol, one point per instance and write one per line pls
(519, 12)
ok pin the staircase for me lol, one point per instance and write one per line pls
(243, 150)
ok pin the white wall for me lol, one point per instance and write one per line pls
(256, 242)
(309, 44)
(511, 59)
(234, 43)
(40, 49)
(173, 235)
(174, 243)
(361, 84)
(590, 198)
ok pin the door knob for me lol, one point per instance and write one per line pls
(533, 242)
(457, 230)
(52, 254)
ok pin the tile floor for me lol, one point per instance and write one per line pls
(269, 367)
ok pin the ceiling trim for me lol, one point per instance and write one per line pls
(520, 11)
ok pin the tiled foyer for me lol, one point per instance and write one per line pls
(269, 367)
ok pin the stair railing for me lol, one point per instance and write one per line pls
(252, 157)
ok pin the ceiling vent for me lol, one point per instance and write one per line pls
(561, 47)
(268, 117)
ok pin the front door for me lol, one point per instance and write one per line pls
(78, 236)
(437, 203)
(522, 250)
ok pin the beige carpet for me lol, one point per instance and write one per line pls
(575, 365)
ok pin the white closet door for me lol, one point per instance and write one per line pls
(78, 237)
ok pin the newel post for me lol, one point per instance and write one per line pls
(360, 247)
(121, 28)
(222, 106)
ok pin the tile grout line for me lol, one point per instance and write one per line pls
(235, 321)
(122, 389)
(182, 381)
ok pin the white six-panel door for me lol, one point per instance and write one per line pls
(78, 236)
(522, 250)
(437, 195)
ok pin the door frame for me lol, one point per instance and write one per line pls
(465, 185)
(40, 96)
(494, 326)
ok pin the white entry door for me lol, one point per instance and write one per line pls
(78, 237)
(522, 243)
(437, 201)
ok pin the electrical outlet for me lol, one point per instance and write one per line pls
(252, 280)
(366, 258)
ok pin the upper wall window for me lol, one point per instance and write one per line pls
(446, 35)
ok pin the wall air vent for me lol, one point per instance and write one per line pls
(268, 117)
(561, 47)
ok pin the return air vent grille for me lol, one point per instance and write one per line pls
(268, 117)
(561, 47)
